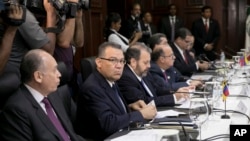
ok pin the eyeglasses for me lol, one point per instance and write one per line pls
(172, 56)
(115, 61)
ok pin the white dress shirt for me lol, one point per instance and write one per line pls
(116, 38)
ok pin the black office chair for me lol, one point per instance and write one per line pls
(9, 83)
(63, 92)
(87, 67)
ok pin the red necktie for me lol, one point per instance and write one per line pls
(206, 25)
(185, 57)
(165, 76)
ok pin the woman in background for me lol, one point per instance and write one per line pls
(112, 26)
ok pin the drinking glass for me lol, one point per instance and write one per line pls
(198, 112)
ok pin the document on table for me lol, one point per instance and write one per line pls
(168, 113)
(186, 105)
(201, 77)
(145, 135)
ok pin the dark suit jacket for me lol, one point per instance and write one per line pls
(202, 37)
(165, 25)
(130, 26)
(98, 113)
(23, 119)
(132, 89)
(175, 79)
(180, 64)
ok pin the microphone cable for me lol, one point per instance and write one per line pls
(233, 111)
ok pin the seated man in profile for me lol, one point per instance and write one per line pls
(136, 82)
(185, 63)
(163, 72)
(30, 114)
(101, 109)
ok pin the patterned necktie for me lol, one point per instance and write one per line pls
(172, 29)
(117, 96)
(55, 120)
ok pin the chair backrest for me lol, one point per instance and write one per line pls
(62, 68)
(9, 83)
(87, 67)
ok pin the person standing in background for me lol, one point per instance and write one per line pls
(171, 23)
(111, 29)
(206, 32)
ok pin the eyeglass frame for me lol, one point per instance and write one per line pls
(114, 61)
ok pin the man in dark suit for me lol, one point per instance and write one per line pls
(101, 110)
(163, 71)
(134, 24)
(136, 82)
(184, 63)
(157, 39)
(149, 28)
(30, 114)
(171, 23)
(206, 32)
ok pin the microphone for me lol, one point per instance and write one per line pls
(205, 58)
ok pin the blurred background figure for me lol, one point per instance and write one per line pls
(148, 26)
(171, 23)
(111, 29)
(206, 32)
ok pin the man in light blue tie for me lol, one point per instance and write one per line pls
(102, 109)
(137, 83)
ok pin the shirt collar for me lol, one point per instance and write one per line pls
(138, 77)
(37, 95)
(204, 20)
(110, 83)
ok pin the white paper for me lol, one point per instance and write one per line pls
(146, 135)
(202, 77)
(168, 113)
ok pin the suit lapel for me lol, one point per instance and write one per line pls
(178, 54)
(58, 108)
(40, 113)
(109, 91)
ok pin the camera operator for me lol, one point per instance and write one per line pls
(31, 36)
(15, 12)
(66, 53)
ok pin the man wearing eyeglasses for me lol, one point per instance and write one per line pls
(102, 110)
(184, 62)
(137, 83)
(163, 72)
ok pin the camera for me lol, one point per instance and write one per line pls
(5, 4)
(62, 6)
(5, 7)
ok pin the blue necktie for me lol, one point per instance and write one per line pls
(55, 120)
(117, 96)
(147, 89)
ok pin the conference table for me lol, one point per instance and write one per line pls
(214, 128)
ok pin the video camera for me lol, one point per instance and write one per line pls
(5, 7)
(62, 6)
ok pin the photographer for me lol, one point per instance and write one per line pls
(66, 53)
(15, 12)
(31, 36)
